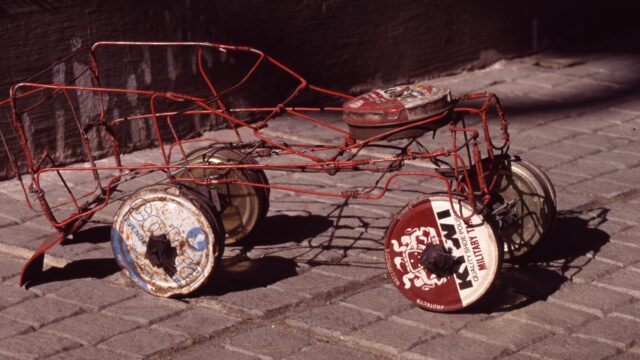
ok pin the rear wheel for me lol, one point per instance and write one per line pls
(242, 207)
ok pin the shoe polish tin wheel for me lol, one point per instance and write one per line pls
(167, 239)
(437, 260)
(524, 204)
(243, 207)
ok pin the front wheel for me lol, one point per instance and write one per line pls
(437, 260)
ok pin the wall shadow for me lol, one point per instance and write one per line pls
(542, 271)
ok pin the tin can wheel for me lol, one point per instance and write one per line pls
(436, 259)
(242, 207)
(523, 202)
(167, 239)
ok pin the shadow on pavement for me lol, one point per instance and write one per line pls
(279, 229)
(79, 269)
(542, 272)
(91, 235)
(241, 273)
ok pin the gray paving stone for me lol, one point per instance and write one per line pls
(546, 160)
(10, 328)
(15, 208)
(631, 311)
(567, 200)
(323, 351)
(611, 330)
(381, 301)
(631, 355)
(389, 336)
(12, 294)
(40, 311)
(259, 301)
(455, 347)
(35, 345)
(444, 323)
(554, 317)
(623, 160)
(623, 280)
(332, 320)
(270, 341)
(145, 309)
(619, 254)
(589, 298)
(587, 168)
(211, 351)
(90, 328)
(600, 188)
(585, 269)
(93, 294)
(506, 332)
(570, 151)
(599, 140)
(144, 342)
(198, 322)
(353, 268)
(570, 347)
(88, 353)
(625, 212)
(312, 284)
(626, 176)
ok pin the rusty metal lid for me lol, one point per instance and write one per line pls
(400, 104)
(166, 239)
(243, 207)
(472, 251)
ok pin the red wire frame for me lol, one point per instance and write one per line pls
(309, 157)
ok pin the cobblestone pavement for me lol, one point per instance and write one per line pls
(313, 285)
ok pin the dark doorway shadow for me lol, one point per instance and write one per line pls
(542, 271)
(79, 269)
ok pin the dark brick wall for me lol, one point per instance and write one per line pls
(349, 45)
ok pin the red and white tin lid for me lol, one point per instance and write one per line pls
(396, 105)
(430, 220)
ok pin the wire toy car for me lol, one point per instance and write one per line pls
(442, 251)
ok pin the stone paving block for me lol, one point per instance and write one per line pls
(353, 268)
(146, 309)
(15, 209)
(198, 322)
(619, 159)
(547, 80)
(40, 311)
(455, 347)
(631, 355)
(12, 294)
(93, 294)
(567, 150)
(589, 298)
(443, 323)
(619, 254)
(10, 328)
(600, 188)
(5, 221)
(89, 353)
(625, 212)
(259, 301)
(561, 179)
(624, 280)
(324, 350)
(332, 320)
(570, 347)
(586, 168)
(554, 317)
(211, 351)
(625, 176)
(144, 342)
(599, 140)
(312, 284)
(90, 328)
(506, 332)
(631, 311)
(269, 341)
(389, 336)
(545, 160)
(381, 301)
(585, 269)
(568, 200)
(611, 330)
(35, 345)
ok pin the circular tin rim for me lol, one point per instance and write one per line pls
(132, 261)
(453, 292)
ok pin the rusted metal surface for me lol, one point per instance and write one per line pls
(464, 167)
(382, 110)
(166, 239)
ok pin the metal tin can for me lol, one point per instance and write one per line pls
(472, 251)
(167, 239)
(383, 110)
(242, 207)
